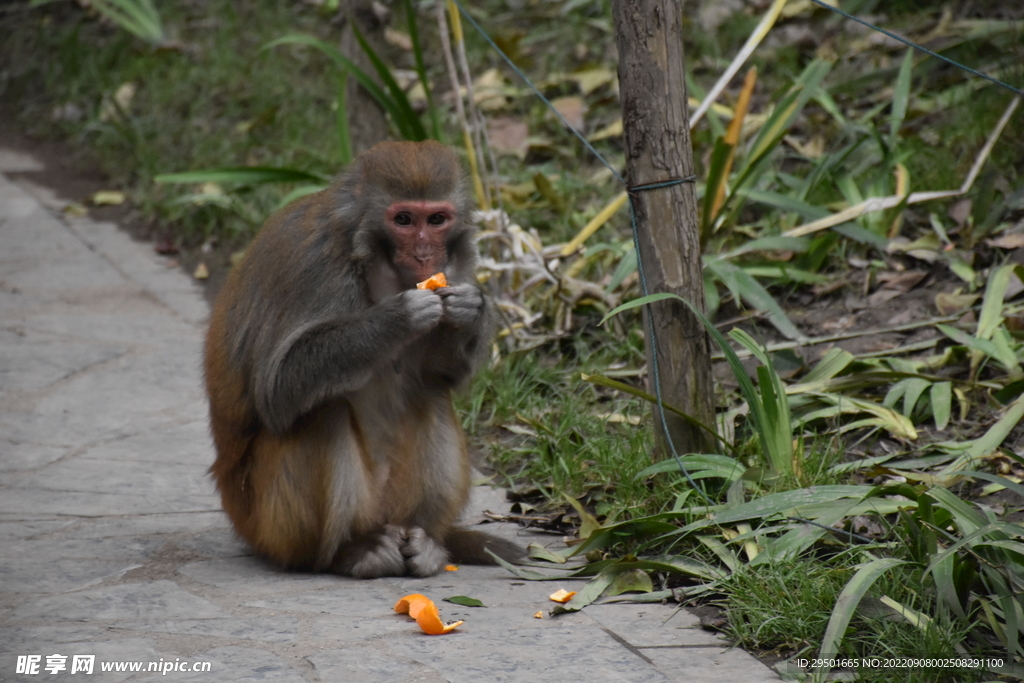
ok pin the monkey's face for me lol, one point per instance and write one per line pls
(419, 232)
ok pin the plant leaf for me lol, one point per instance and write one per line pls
(847, 603)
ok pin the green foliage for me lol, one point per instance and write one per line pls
(139, 17)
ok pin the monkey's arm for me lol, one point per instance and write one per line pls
(327, 358)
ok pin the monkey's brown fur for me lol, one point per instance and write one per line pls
(329, 375)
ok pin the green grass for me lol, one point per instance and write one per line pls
(784, 607)
(218, 101)
(541, 427)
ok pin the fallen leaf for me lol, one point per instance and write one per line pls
(881, 296)
(76, 210)
(489, 91)
(612, 130)
(812, 149)
(121, 102)
(538, 552)
(201, 271)
(508, 135)
(631, 581)
(1014, 287)
(902, 282)
(107, 198)
(465, 601)
(399, 39)
(948, 304)
(961, 211)
(1011, 241)
(561, 595)
(619, 418)
(590, 80)
(573, 109)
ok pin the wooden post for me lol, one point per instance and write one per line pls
(655, 119)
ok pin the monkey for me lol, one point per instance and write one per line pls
(330, 375)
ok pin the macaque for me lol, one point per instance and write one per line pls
(330, 374)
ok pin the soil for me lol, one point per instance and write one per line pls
(69, 174)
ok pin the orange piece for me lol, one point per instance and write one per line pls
(538, 615)
(561, 595)
(413, 604)
(451, 568)
(430, 621)
(433, 282)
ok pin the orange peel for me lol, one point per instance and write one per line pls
(430, 621)
(413, 604)
(451, 568)
(561, 595)
(424, 611)
(435, 281)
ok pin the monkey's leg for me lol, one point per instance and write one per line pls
(444, 481)
(357, 539)
(284, 521)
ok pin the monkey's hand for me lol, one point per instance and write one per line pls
(424, 309)
(462, 304)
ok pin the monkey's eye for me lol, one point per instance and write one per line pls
(403, 219)
(437, 219)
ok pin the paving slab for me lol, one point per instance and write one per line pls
(113, 544)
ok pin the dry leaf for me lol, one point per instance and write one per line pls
(612, 130)
(812, 149)
(399, 39)
(107, 198)
(881, 296)
(948, 304)
(961, 211)
(573, 110)
(201, 272)
(619, 418)
(1012, 241)
(590, 80)
(76, 210)
(120, 102)
(508, 135)
(489, 91)
(902, 282)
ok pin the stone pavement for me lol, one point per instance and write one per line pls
(112, 542)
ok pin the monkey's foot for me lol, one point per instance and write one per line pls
(368, 558)
(423, 555)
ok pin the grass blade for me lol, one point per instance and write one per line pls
(244, 175)
(900, 98)
(405, 117)
(846, 605)
(343, 63)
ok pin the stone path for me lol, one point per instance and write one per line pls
(112, 542)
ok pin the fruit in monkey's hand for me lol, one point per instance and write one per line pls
(433, 282)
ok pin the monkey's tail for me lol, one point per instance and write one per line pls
(467, 547)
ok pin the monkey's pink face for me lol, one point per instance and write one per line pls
(418, 230)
